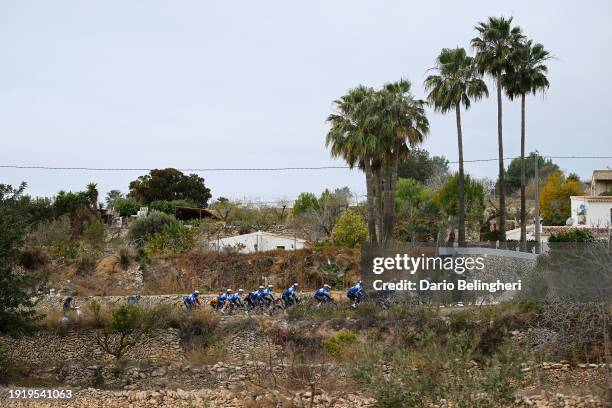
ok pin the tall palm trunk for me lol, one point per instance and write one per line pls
(523, 178)
(502, 182)
(378, 201)
(387, 201)
(371, 193)
(392, 189)
(461, 176)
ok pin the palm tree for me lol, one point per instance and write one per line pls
(372, 130)
(349, 138)
(457, 81)
(528, 75)
(494, 45)
(401, 123)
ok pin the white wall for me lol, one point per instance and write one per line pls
(597, 212)
(259, 241)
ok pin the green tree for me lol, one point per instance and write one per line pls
(418, 165)
(17, 287)
(410, 192)
(526, 76)
(305, 202)
(418, 217)
(457, 82)
(447, 198)
(169, 207)
(350, 230)
(496, 40)
(555, 196)
(374, 130)
(351, 137)
(111, 197)
(513, 175)
(144, 227)
(126, 206)
(401, 123)
(169, 184)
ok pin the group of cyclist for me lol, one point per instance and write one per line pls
(264, 297)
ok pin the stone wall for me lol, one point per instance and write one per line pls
(50, 349)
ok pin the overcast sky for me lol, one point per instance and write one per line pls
(201, 84)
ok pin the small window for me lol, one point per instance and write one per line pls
(280, 247)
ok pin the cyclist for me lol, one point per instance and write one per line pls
(67, 306)
(251, 299)
(355, 293)
(290, 295)
(322, 294)
(222, 298)
(259, 295)
(268, 295)
(192, 300)
(234, 300)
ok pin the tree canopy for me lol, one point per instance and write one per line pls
(420, 166)
(555, 198)
(513, 174)
(169, 185)
(17, 286)
(447, 197)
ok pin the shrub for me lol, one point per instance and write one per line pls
(350, 230)
(335, 345)
(123, 331)
(126, 206)
(124, 258)
(169, 207)
(33, 258)
(50, 232)
(93, 232)
(440, 368)
(172, 239)
(143, 227)
(574, 235)
(86, 264)
(68, 249)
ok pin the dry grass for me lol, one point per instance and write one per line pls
(206, 355)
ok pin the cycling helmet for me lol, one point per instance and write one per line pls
(270, 286)
(295, 284)
(197, 292)
(240, 290)
(326, 286)
(229, 290)
(261, 287)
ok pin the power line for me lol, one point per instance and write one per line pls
(230, 169)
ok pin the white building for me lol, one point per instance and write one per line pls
(258, 241)
(592, 211)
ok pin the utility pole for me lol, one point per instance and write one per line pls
(537, 203)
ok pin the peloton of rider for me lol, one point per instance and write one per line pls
(192, 300)
(322, 294)
(290, 295)
(355, 293)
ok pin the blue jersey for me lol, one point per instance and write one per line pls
(353, 290)
(290, 292)
(322, 292)
(223, 297)
(235, 298)
(191, 299)
(259, 294)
